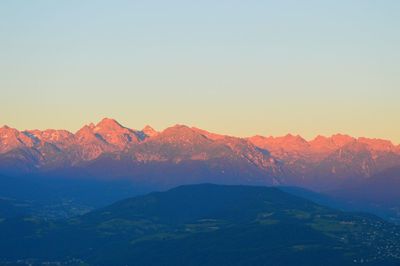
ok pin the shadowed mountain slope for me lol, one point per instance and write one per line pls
(207, 225)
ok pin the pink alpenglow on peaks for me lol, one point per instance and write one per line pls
(116, 134)
(276, 158)
(11, 138)
(149, 131)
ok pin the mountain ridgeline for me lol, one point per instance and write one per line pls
(204, 225)
(110, 150)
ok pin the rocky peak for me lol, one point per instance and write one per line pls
(11, 138)
(178, 130)
(115, 134)
(61, 138)
(6, 132)
(294, 141)
(181, 135)
(149, 131)
(287, 143)
(378, 144)
(108, 124)
(208, 134)
(322, 144)
(87, 134)
(341, 140)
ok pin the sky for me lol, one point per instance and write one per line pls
(234, 67)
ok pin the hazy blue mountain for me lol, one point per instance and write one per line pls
(379, 194)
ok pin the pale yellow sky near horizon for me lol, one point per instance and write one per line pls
(231, 67)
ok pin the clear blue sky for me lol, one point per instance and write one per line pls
(236, 67)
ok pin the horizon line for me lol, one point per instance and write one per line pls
(212, 132)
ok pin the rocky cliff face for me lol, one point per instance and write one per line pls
(272, 160)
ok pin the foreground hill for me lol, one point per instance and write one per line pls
(205, 225)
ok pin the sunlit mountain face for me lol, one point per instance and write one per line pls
(322, 163)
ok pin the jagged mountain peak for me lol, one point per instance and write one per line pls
(291, 139)
(284, 139)
(342, 139)
(324, 144)
(149, 131)
(53, 135)
(11, 138)
(181, 143)
(289, 143)
(105, 124)
(212, 136)
(179, 130)
(319, 138)
(86, 129)
(8, 129)
(193, 132)
(338, 139)
(292, 136)
(180, 134)
(109, 124)
(378, 144)
(108, 132)
(148, 127)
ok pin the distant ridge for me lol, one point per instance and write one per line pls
(188, 154)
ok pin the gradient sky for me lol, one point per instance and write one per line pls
(234, 67)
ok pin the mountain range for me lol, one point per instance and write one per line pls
(340, 166)
(271, 160)
(320, 163)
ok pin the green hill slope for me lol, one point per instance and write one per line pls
(207, 225)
